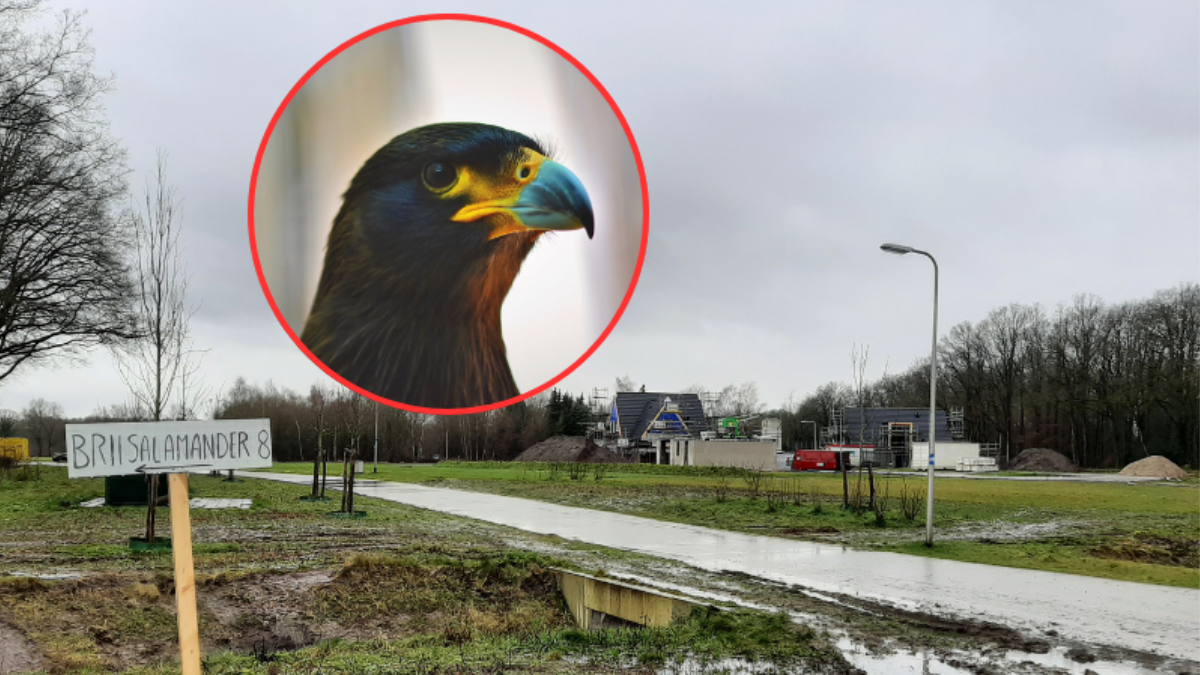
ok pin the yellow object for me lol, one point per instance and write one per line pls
(16, 449)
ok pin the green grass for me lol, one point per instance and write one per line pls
(1138, 498)
(1054, 557)
(1146, 532)
(708, 637)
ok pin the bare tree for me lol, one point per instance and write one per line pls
(157, 368)
(859, 358)
(43, 421)
(352, 411)
(64, 285)
(317, 398)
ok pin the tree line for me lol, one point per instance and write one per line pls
(1104, 384)
(335, 419)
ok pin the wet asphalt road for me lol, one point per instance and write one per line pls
(1144, 617)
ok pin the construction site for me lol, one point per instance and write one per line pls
(684, 429)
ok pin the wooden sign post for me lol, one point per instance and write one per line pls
(173, 448)
(185, 575)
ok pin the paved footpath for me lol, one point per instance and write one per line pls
(1144, 617)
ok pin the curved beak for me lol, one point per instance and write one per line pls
(555, 200)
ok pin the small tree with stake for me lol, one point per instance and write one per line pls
(317, 401)
(353, 410)
(156, 367)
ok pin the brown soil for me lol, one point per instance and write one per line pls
(268, 611)
(1146, 548)
(1042, 459)
(570, 449)
(1156, 466)
(17, 654)
(122, 621)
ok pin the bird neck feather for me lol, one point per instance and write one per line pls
(423, 332)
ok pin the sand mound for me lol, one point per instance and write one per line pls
(570, 449)
(1156, 466)
(1042, 459)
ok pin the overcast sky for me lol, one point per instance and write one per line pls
(1039, 150)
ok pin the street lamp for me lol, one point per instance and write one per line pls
(814, 432)
(900, 249)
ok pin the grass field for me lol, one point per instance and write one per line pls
(1145, 532)
(284, 587)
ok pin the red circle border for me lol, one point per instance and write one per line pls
(637, 156)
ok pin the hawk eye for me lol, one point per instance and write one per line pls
(438, 175)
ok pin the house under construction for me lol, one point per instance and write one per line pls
(890, 432)
(642, 424)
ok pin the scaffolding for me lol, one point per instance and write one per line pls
(955, 420)
(599, 407)
(709, 400)
(897, 438)
(834, 434)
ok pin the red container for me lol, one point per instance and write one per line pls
(815, 460)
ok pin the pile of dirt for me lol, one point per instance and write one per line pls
(1042, 459)
(570, 449)
(1156, 466)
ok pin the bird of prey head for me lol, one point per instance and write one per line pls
(430, 236)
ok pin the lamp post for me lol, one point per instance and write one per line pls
(900, 249)
(814, 432)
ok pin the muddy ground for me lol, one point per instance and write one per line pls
(284, 587)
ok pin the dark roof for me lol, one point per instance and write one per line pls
(879, 417)
(637, 409)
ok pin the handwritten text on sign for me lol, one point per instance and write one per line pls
(167, 447)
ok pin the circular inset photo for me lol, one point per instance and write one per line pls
(448, 214)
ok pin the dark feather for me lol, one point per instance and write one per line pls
(408, 305)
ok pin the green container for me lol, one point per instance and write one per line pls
(132, 490)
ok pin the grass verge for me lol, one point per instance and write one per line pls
(1144, 532)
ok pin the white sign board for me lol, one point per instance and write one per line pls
(125, 448)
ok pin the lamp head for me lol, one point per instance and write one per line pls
(898, 249)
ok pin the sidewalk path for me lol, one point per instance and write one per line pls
(1144, 617)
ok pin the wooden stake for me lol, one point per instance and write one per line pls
(151, 508)
(185, 575)
(844, 459)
